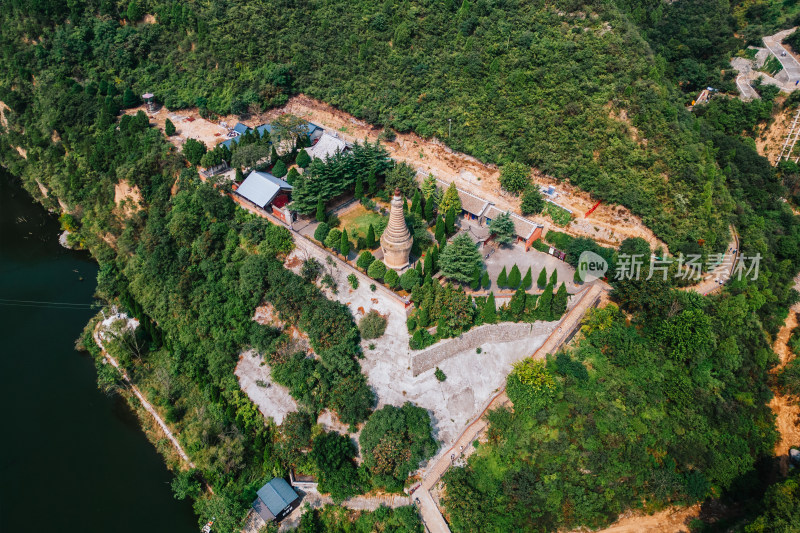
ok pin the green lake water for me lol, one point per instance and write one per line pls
(71, 458)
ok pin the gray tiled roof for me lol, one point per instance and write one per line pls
(469, 202)
(522, 226)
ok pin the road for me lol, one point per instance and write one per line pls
(428, 509)
(790, 65)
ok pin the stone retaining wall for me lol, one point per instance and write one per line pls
(505, 332)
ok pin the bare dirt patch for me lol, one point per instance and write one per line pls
(786, 408)
(127, 198)
(3, 118)
(22, 151)
(149, 19)
(188, 124)
(670, 520)
(770, 138)
(608, 224)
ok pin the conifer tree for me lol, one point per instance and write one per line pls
(544, 304)
(169, 128)
(435, 258)
(489, 314)
(450, 222)
(344, 247)
(502, 279)
(419, 269)
(292, 176)
(527, 281)
(405, 205)
(320, 210)
(554, 278)
(370, 237)
(424, 318)
(372, 181)
(475, 284)
(516, 306)
(391, 278)
(429, 209)
(559, 305)
(279, 170)
(485, 281)
(303, 159)
(429, 263)
(273, 158)
(417, 207)
(576, 278)
(440, 237)
(239, 175)
(359, 192)
(542, 280)
(514, 277)
(416, 200)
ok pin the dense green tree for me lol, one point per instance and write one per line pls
(449, 222)
(321, 232)
(365, 259)
(514, 277)
(303, 159)
(503, 229)
(249, 155)
(376, 270)
(370, 240)
(559, 304)
(502, 278)
(541, 281)
(134, 12)
(450, 200)
(485, 281)
(333, 455)
(372, 181)
(239, 176)
(475, 283)
(409, 279)
(169, 128)
(359, 190)
(532, 200)
(372, 325)
(428, 263)
(394, 441)
(193, 151)
(334, 239)
(514, 177)
(129, 99)
(527, 281)
(554, 277)
(344, 244)
(292, 175)
(320, 214)
(439, 232)
(489, 311)
(279, 170)
(391, 278)
(460, 259)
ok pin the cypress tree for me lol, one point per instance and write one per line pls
(577, 277)
(527, 281)
(554, 278)
(292, 176)
(485, 281)
(239, 175)
(450, 222)
(502, 279)
(273, 157)
(429, 263)
(370, 237)
(424, 318)
(416, 200)
(129, 99)
(279, 169)
(303, 159)
(514, 277)
(405, 205)
(344, 247)
(169, 128)
(544, 304)
(372, 181)
(542, 281)
(429, 209)
(517, 304)
(359, 192)
(475, 284)
(419, 269)
(559, 305)
(418, 207)
(320, 210)
(489, 314)
(440, 230)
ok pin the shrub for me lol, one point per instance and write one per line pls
(391, 278)
(409, 279)
(169, 128)
(411, 324)
(334, 239)
(311, 269)
(303, 159)
(530, 385)
(373, 287)
(279, 170)
(321, 232)
(352, 279)
(328, 281)
(439, 374)
(514, 177)
(193, 151)
(372, 326)
(532, 201)
(365, 260)
(376, 270)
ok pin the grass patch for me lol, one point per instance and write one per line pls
(772, 66)
(558, 215)
(358, 219)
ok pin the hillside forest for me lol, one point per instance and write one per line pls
(662, 401)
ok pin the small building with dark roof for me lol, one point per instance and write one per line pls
(276, 500)
(472, 207)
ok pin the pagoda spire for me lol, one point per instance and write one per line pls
(396, 240)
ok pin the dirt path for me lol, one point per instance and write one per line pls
(672, 520)
(786, 408)
(148, 407)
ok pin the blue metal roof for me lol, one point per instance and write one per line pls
(240, 128)
(277, 495)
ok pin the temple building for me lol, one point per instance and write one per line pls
(396, 240)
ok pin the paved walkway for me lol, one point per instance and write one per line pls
(98, 338)
(434, 520)
(791, 67)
